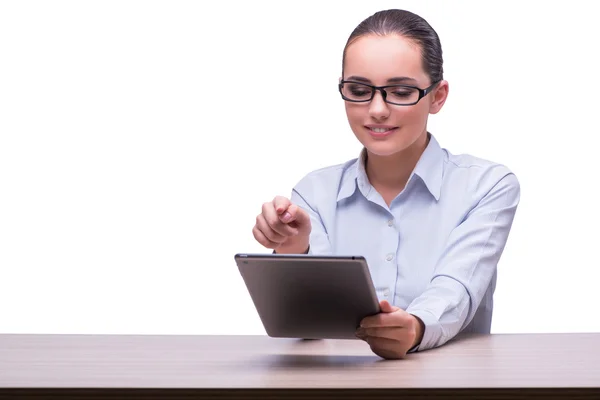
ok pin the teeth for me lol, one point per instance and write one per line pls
(379, 130)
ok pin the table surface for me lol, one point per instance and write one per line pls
(132, 361)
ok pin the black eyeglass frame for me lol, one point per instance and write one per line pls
(374, 89)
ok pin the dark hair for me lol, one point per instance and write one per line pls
(409, 25)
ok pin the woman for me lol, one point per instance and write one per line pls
(431, 224)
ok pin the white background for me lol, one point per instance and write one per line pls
(138, 140)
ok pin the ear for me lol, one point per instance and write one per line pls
(438, 97)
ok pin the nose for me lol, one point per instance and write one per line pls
(378, 109)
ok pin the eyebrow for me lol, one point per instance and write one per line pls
(397, 79)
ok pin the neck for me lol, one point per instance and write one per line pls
(392, 172)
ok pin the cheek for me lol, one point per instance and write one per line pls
(355, 114)
(415, 115)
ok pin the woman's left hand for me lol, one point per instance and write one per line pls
(392, 332)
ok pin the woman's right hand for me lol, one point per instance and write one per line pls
(283, 227)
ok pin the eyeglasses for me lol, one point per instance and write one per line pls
(400, 95)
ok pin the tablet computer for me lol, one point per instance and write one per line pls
(308, 296)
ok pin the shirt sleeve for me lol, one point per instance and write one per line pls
(319, 240)
(465, 269)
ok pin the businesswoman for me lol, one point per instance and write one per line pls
(431, 224)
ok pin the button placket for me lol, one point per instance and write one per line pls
(391, 244)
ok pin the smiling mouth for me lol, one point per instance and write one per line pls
(380, 130)
(380, 133)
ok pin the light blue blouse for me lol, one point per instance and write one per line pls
(433, 252)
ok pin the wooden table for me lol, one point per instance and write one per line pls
(540, 366)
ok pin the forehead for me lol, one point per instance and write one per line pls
(379, 58)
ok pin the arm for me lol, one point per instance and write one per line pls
(319, 240)
(465, 269)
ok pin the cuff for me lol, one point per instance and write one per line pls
(433, 333)
(306, 252)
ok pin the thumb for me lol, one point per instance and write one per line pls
(297, 214)
(387, 307)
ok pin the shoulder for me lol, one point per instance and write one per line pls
(323, 187)
(327, 177)
(478, 176)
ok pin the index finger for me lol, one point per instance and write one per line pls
(384, 320)
(281, 204)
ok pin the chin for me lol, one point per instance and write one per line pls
(397, 142)
(385, 148)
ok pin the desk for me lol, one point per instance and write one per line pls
(538, 366)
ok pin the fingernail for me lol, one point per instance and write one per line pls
(286, 217)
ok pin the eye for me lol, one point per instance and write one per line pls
(402, 93)
(359, 91)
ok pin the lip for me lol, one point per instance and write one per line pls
(379, 135)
